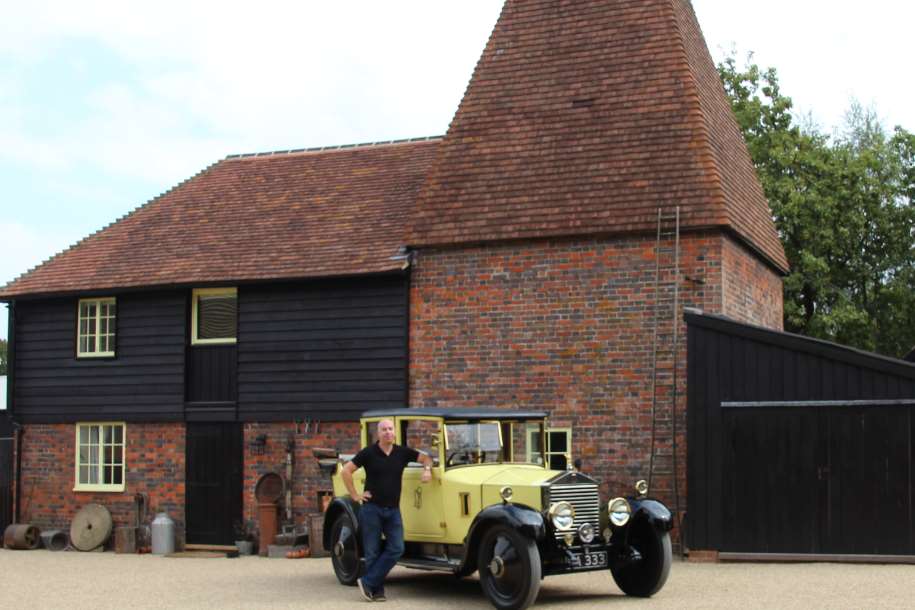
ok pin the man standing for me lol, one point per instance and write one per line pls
(384, 463)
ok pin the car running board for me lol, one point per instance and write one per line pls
(436, 565)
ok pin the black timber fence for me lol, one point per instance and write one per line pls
(797, 447)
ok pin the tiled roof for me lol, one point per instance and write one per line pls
(581, 118)
(312, 213)
(584, 118)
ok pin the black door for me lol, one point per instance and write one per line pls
(6, 481)
(834, 480)
(214, 482)
(6, 470)
(771, 496)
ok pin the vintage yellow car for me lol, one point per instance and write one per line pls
(495, 506)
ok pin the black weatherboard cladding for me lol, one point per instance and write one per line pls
(143, 382)
(320, 349)
(323, 350)
(211, 373)
(796, 445)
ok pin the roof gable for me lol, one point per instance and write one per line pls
(330, 212)
(585, 118)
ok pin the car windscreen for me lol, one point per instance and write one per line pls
(486, 442)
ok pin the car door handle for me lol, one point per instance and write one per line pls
(418, 497)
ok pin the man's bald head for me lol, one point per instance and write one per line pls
(385, 432)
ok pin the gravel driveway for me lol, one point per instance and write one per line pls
(43, 579)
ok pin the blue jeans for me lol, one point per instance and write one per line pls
(373, 521)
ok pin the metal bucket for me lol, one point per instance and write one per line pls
(54, 540)
(21, 536)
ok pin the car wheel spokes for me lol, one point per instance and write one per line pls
(509, 566)
(348, 544)
(345, 550)
(506, 567)
(502, 544)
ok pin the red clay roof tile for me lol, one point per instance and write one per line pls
(581, 118)
(305, 214)
(585, 117)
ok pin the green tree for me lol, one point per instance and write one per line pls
(844, 210)
(3, 352)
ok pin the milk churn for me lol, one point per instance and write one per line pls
(163, 535)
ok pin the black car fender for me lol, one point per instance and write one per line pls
(337, 507)
(523, 519)
(654, 512)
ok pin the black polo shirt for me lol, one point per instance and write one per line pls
(383, 472)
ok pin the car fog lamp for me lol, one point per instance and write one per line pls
(586, 533)
(641, 488)
(619, 511)
(562, 515)
(506, 493)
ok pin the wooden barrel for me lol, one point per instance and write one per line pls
(21, 536)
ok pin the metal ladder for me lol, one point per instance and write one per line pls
(665, 346)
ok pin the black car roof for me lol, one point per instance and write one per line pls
(459, 413)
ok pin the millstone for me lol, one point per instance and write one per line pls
(91, 527)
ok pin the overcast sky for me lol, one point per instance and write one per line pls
(105, 105)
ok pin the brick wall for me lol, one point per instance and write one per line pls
(155, 466)
(565, 326)
(307, 479)
(568, 326)
(752, 290)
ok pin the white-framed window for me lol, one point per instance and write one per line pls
(95, 332)
(558, 447)
(100, 461)
(214, 316)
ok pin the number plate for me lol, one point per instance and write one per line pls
(587, 560)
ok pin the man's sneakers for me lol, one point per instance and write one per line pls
(366, 594)
(369, 596)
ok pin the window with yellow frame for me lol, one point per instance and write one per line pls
(100, 456)
(558, 447)
(214, 316)
(95, 331)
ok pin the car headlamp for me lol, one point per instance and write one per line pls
(562, 515)
(619, 511)
(586, 533)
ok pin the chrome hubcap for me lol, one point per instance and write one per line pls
(497, 567)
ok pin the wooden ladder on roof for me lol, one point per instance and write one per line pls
(665, 346)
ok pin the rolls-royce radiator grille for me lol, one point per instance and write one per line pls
(585, 498)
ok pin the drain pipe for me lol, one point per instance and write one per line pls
(290, 448)
(11, 407)
(17, 434)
